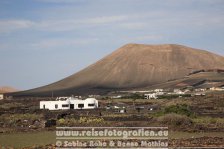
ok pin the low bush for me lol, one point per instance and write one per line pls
(61, 122)
(11, 120)
(182, 109)
(91, 120)
(81, 121)
(174, 119)
(173, 96)
(208, 121)
(17, 117)
(134, 96)
(7, 106)
(67, 122)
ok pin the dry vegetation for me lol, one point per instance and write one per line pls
(192, 115)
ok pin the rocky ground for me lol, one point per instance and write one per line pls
(201, 114)
(208, 142)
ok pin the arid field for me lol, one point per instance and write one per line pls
(191, 121)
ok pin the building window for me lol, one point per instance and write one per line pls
(91, 105)
(81, 105)
(65, 105)
(56, 106)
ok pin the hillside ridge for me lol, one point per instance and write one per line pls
(134, 66)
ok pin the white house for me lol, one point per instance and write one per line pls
(158, 90)
(200, 89)
(65, 103)
(116, 97)
(151, 96)
(178, 91)
(199, 94)
(154, 95)
(1, 96)
(217, 89)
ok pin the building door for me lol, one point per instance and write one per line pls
(71, 106)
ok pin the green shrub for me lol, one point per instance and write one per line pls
(13, 120)
(81, 121)
(206, 121)
(182, 109)
(61, 121)
(168, 96)
(174, 119)
(173, 96)
(134, 96)
(7, 106)
(92, 120)
(16, 117)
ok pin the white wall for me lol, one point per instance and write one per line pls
(151, 96)
(1, 96)
(89, 103)
(51, 105)
(86, 103)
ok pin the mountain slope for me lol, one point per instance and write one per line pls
(7, 89)
(133, 66)
(197, 80)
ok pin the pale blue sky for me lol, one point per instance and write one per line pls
(42, 41)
